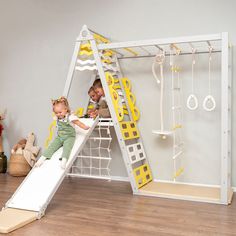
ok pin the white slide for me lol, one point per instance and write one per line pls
(38, 188)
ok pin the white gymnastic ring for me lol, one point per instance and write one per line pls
(209, 98)
(195, 102)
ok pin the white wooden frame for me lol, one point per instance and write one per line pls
(226, 51)
(226, 78)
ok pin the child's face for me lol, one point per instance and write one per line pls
(60, 110)
(94, 96)
(100, 92)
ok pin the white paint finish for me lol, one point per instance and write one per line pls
(71, 69)
(136, 152)
(225, 119)
(164, 41)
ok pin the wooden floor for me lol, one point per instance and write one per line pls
(89, 207)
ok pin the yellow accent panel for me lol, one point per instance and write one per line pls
(51, 131)
(129, 130)
(108, 53)
(85, 52)
(116, 84)
(115, 97)
(142, 175)
(91, 106)
(131, 51)
(175, 68)
(85, 49)
(107, 61)
(131, 99)
(125, 110)
(116, 87)
(86, 46)
(100, 38)
(177, 127)
(178, 172)
(79, 112)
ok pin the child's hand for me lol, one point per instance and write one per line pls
(91, 110)
(94, 114)
(80, 124)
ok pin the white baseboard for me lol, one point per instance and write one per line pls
(126, 179)
(120, 178)
(113, 178)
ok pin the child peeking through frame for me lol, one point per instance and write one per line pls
(97, 95)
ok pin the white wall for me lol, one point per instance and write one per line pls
(36, 45)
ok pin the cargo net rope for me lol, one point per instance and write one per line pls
(94, 160)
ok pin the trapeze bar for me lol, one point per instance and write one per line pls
(167, 54)
(188, 39)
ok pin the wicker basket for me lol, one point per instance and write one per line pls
(18, 166)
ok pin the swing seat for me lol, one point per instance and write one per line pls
(162, 133)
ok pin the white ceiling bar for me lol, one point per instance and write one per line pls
(118, 53)
(167, 54)
(187, 39)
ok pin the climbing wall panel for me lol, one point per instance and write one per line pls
(136, 152)
(142, 175)
(129, 130)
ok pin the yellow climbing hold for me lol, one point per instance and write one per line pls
(142, 175)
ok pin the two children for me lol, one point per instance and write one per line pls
(93, 102)
(66, 123)
(97, 95)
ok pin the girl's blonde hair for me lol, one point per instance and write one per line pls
(61, 100)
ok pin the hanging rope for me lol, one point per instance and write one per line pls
(209, 103)
(192, 101)
(154, 71)
(159, 59)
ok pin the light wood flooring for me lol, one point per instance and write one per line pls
(87, 207)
